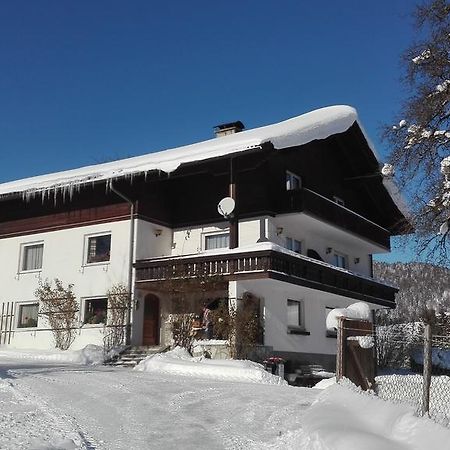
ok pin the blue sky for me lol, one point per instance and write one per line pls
(88, 81)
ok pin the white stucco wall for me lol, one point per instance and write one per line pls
(64, 257)
(274, 295)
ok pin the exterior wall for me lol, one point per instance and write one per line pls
(64, 257)
(274, 295)
(322, 237)
(192, 240)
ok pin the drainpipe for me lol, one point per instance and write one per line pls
(130, 268)
(234, 222)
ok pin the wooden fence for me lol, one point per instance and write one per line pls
(6, 322)
(355, 352)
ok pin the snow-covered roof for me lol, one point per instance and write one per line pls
(318, 124)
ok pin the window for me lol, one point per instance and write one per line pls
(340, 260)
(32, 257)
(295, 314)
(293, 181)
(95, 310)
(213, 241)
(338, 200)
(329, 333)
(98, 249)
(294, 245)
(28, 316)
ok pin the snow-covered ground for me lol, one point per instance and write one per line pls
(49, 404)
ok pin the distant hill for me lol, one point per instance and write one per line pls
(421, 285)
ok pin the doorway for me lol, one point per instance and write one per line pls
(151, 320)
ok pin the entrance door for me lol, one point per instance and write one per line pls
(151, 320)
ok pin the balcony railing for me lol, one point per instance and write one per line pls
(268, 264)
(325, 209)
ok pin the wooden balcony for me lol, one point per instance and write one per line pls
(305, 200)
(267, 264)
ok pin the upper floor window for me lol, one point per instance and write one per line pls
(294, 245)
(31, 258)
(28, 315)
(219, 240)
(292, 181)
(98, 248)
(295, 315)
(340, 260)
(338, 200)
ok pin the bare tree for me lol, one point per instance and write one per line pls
(420, 139)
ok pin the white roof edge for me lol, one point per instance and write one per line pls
(318, 124)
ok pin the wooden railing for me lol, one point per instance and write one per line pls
(325, 209)
(268, 264)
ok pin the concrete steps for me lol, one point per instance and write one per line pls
(132, 356)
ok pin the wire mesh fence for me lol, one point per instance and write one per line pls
(403, 366)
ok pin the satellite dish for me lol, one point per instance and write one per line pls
(226, 206)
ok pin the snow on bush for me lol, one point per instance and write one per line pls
(358, 310)
(179, 362)
(89, 355)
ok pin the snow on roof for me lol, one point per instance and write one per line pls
(318, 124)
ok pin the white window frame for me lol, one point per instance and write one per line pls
(300, 326)
(343, 256)
(86, 248)
(215, 233)
(18, 309)
(23, 248)
(290, 178)
(84, 301)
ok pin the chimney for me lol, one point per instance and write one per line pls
(228, 128)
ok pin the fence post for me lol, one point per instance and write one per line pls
(427, 361)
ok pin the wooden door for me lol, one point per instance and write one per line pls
(151, 321)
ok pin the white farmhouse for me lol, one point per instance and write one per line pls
(311, 208)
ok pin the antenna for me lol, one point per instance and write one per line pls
(226, 207)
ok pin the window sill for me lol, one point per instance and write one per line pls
(24, 272)
(94, 264)
(298, 331)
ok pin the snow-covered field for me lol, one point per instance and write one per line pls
(58, 402)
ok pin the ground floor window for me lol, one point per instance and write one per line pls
(95, 310)
(28, 315)
(295, 315)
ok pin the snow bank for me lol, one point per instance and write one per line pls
(358, 310)
(179, 362)
(89, 355)
(318, 124)
(348, 419)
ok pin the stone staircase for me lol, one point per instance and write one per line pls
(132, 356)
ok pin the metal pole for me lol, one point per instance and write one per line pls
(234, 224)
(130, 267)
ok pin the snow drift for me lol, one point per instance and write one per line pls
(179, 362)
